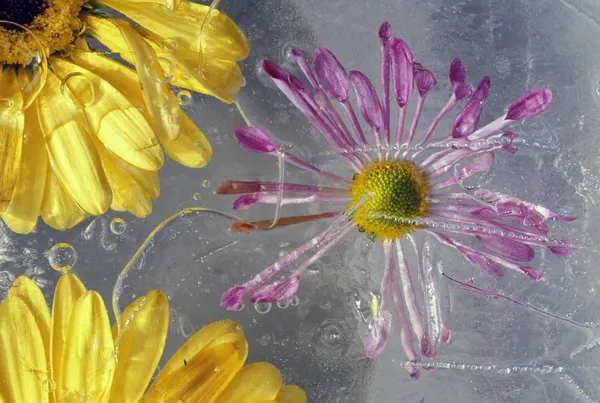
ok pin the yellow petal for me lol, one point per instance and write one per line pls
(70, 149)
(28, 291)
(112, 118)
(191, 147)
(128, 193)
(24, 209)
(202, 378)
(68, 290)
(200, 340)
(185, 75)
(11, 135)
(219, 38)
(23, 371)
(140, 346)
(258, 382)
(88, 361)
(59, 210)
(162, 105)
(291, 394)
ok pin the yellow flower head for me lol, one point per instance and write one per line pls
(73, 355)
(94, 137)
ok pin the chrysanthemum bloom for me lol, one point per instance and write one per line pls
(399, 183)
(92, 137)
(72, 355)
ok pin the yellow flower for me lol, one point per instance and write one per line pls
(94, 136)
(73, 355)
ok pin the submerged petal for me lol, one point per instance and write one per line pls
(331, 74)
(22, 213)
(402, 71)
(254, 139)
(258, 382)
(507, 247)
(424, 79)
(366, 97)
(530, 104)
(59, 210)
(377, 334)
(140, 346)
(467, 120)
(291, 394)
(458, 79)
(277, 291)
(22, 362)
(88, 362)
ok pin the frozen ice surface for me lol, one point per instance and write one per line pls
(546, 350)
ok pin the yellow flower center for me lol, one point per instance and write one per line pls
(55, 23)
(388, 196)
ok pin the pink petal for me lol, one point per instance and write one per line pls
(458, 79)
(530, 104)
(377, 334)
(508, 248)
(277, 291)
(423, 78)
(467, 120)
(232, 298)
(402, 71)
(254, 139)
(244, 202)
(367, 100)
(331, 74)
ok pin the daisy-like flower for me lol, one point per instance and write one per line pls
(73, 355)
(400, 183)
(92, 136)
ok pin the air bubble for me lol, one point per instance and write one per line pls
(118, 226)
(295, 301)
(197, 196)
(82, 86)
(205, 183)
(62, 257)
(108, 353)
(160, 69)
(262, 307)
(49, 385)
(161, 101)
(170, 45)
(240, 307)
(185, 98)
(283, 304)
(6, 104)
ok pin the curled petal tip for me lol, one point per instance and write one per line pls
(424, 79)
(297, 52)
(446, 334)
(232, 298)
(254, 139)
(331, 74)
(377, 334)
(277, 291)
(273, 70)
(415, 374)
(458, 79)
(530, 104)
(385, 30)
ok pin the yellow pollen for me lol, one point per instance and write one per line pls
(55, 23)
(390, 195)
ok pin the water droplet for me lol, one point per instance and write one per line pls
(118, 226)
(185, 98)
(49, 385)
(295, 301)
(197, 196)
(160, 69)
(262, 307)
(62, 257)
(283, 304)
(6, 279)
(205, 183)
(174, 119)
(108, 353)
(78, 89)
(6, 104)
(170, 45)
